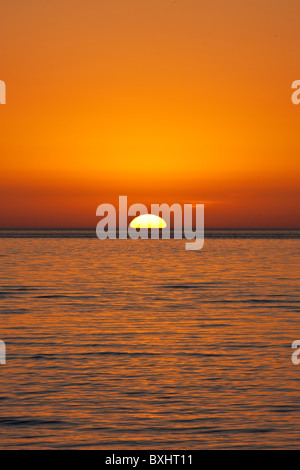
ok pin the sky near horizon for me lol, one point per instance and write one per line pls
(163, 101)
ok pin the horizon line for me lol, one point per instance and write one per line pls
(172, 228)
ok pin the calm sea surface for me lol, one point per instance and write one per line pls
(124, 344)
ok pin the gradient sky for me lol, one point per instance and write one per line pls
(160, 100)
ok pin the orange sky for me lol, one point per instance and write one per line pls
(160, 100)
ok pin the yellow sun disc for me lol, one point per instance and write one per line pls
(148, 221)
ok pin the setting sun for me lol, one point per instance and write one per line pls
(148, 221)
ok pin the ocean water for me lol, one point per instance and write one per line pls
(123, 344)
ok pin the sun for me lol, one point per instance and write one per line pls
(148, 221)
